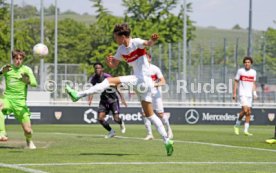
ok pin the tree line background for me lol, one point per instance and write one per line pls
(86, 43)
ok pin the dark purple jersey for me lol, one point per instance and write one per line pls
(109, 95)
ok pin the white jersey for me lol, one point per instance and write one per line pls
(135, 56)
(246, 80)
(155, 74)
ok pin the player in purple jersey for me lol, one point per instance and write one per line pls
(109, 101)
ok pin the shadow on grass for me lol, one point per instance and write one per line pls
(9, 147)
(107, 154)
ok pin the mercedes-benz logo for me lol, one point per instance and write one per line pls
(192, 116)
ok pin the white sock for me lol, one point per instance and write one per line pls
(159, 127)
(238, 122)
(246, 127)
(166, 122)
(100, 87)
(148, 125)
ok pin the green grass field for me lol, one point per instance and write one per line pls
(82, 148)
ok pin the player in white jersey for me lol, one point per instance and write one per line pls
(246, 79)
(157, 102)
(134, 53)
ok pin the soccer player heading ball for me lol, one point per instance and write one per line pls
(17, 77)
(133, 51)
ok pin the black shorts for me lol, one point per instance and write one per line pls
(106, 107)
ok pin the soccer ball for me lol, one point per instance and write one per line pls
(40, 49)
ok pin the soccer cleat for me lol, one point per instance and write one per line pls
(149, 137)
(30, 145)
(72, 93)
(123, 127)
(170, 134)
(3, 138)
(236, 130)
(169, 147)
(110, 134)
(271, 141)
(248, 134)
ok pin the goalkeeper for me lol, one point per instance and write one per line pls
(17, 78)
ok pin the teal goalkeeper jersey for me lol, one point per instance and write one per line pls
(15, 88)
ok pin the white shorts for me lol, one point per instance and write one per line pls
(157, 102)
(142, 85)
(246, 101)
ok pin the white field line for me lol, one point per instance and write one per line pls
(177, 141)
(19, 167)
(147, 163)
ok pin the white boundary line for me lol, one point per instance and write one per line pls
(19, 167)
(147, 163)
(177, 141)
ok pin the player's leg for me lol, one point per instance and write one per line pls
(28, 132)
(115, 109)
(100, 87)
(4, 109)
(238, 122)
(102, 111)
(247, 110)
(3, 134)
(144, 92)
(22, 114)
(241, 115)
(247, 121)
(159, 108)
(148, 127)
(149, 113)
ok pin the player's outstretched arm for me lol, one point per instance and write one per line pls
(5, 69)
(112, 62)
(31, 78)
(153, 39)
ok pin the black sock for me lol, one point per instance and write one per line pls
(119, 121)
(105, 124)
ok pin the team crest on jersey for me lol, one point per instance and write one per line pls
(271, 116)
(58, 115)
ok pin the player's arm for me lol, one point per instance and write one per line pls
(112, 62)
(28, 78)
(161, 81)
(121, 97)
(153, 39)
(5, 69)
(90, 98)
(32, 80)
(236, 82)
(255, 90)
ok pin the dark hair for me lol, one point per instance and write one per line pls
(248, 58)
(122, 29)
(98, 63)
(18, 52)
